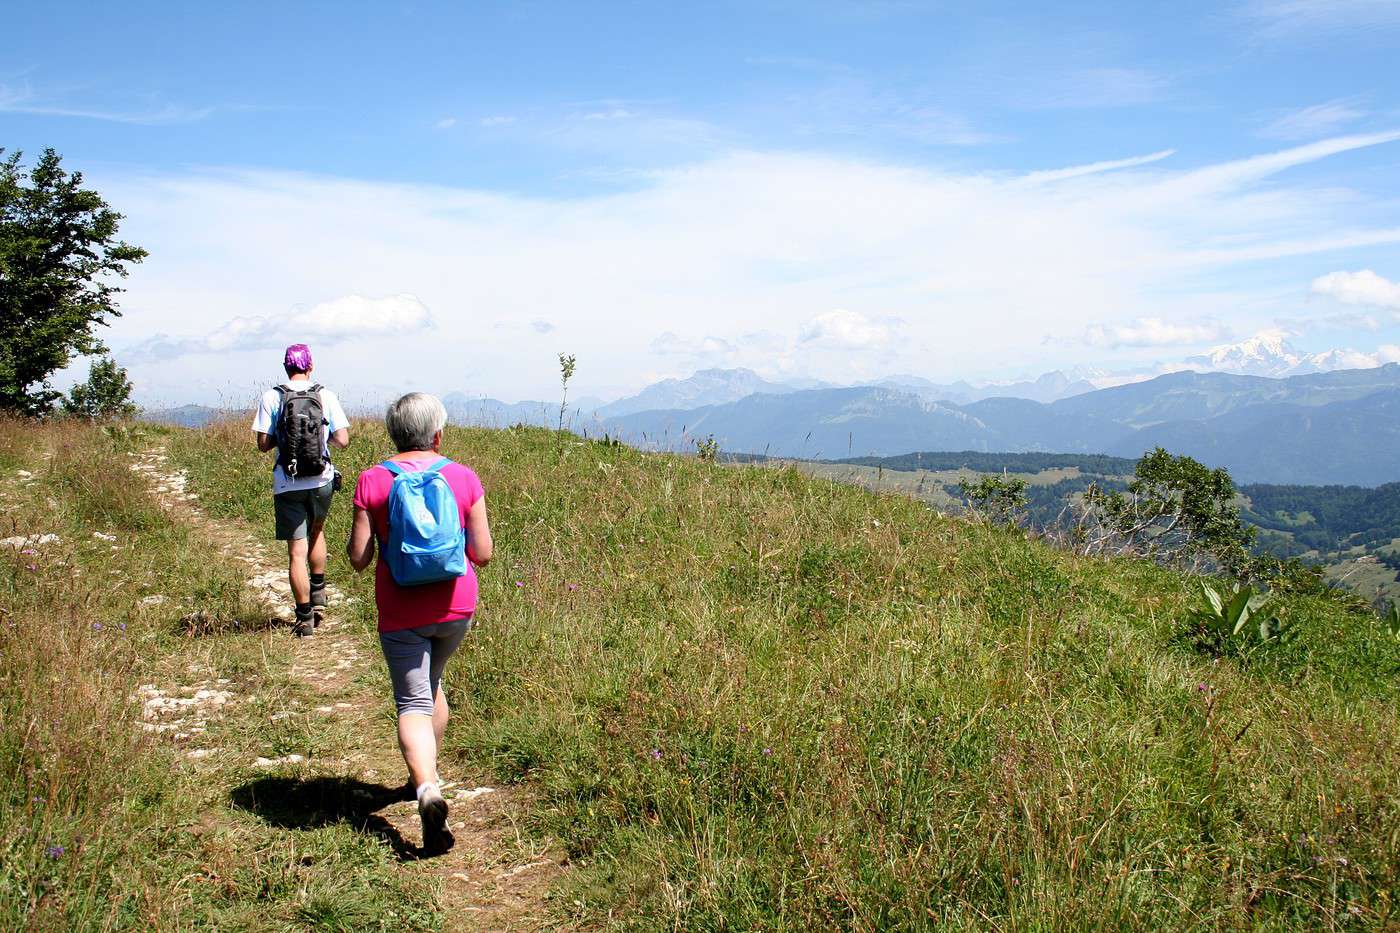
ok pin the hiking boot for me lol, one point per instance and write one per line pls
(318, 603)
(304, 626)
(432, 810)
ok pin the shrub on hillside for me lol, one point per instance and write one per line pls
(999, 499)
(1176, 511)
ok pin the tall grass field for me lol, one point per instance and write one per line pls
(741, 698)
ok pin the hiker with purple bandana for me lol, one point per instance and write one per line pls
(302, 420)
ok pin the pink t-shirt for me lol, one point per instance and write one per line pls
(402, 607)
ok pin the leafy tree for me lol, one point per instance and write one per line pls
(999, 499)
(59, 253)
(105, 395)
(1176, 510)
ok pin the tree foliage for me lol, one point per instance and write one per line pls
(59, 255)
(999, 499)
(1175, 510)
(105, 395)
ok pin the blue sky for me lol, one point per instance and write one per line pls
(841, 189)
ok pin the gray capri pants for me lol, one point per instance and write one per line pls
(416, 657)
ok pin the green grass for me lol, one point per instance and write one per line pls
(745, 699)
(749, 699)
(103, 826)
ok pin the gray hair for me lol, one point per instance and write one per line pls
(414, 419)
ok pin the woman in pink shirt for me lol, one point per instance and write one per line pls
(420, 626)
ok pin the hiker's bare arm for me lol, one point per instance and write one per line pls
(479, 534)
(341, 438)
(266, 442)
(360, 547)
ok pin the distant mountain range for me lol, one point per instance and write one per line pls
(1337, 427)
(1324, 426)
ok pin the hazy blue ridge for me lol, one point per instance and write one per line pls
(1338, 427)
(1354, 442)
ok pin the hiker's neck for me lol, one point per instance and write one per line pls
(299, 377)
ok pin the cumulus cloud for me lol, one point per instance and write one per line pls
(1154, 332)
(702, 348)
(1364, 288)
(347, 318)
(846, 330)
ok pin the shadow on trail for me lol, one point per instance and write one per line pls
(310, 803)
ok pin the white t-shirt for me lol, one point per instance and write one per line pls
(265, 422)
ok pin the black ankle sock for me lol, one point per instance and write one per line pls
(318, 581)
(303, 610)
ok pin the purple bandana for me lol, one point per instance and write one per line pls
(298, 358)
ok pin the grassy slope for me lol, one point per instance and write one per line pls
(748, 699)
(751, 699)
(101, 825)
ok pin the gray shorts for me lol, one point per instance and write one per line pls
(296, 511)
(416, 658)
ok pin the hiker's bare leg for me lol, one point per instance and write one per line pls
(316, 555)
(440, 714)
(297, 574)
(418, 743)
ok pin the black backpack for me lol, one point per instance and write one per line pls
(300, 448)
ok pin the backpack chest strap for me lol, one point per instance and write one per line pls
(433, 467)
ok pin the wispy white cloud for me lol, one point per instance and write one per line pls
(1363, 287)
(23, 100)
(1094, 168)
(1317, 120)
(612, 113)
(1312, 19)
(1155, 332)
(349, 318)
(1098, 88)
(978, 266)
(1229, 175)
(499, 119)
(446, 123)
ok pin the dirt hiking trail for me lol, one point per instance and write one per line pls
(487, 881)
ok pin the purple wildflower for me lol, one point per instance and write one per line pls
(30, 551)
(97, 626)
(767, 751)
(520, 584)
(656, 754)
(54, 852)
(573, 587)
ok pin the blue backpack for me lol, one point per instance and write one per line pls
(427, 543)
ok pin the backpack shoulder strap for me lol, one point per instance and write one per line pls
(393, 467)
(436, 465)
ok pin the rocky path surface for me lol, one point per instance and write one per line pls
(490, 878)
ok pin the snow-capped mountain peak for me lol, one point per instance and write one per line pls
(1267, 353)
